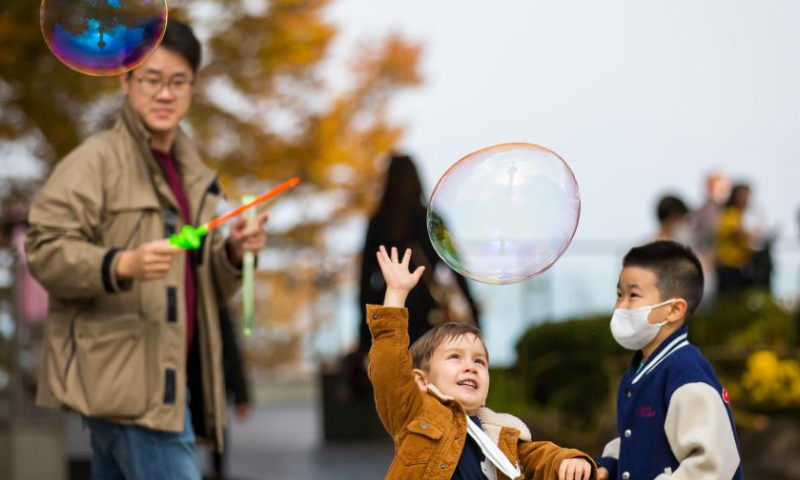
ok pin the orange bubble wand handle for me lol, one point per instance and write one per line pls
(259, 199)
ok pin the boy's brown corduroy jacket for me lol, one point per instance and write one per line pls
(429, 428)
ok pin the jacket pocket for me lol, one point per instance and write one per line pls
(111, 366)
(420, 442)
(128, 224)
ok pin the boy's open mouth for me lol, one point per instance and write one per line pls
(471, 384)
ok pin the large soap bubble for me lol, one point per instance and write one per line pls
(504, 214)
(103, 37)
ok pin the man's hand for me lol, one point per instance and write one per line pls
(602, 473)
(149, 261)
(399, 281)
(575, 469)
(247, 238)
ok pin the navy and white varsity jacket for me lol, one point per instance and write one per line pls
(673, 419)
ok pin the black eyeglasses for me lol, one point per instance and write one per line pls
(152, 86)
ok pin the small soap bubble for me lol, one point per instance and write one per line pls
(103, 37)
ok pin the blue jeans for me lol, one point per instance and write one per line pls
(126, 452)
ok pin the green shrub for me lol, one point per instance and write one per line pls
(752, 319)
(565, 365)
(573, 368)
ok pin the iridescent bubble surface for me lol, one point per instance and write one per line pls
(504, 214)
(103, 37)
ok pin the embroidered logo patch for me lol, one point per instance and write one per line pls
(725, 397)
(646, 411)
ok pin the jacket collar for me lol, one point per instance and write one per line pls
(491, 422)
(131, 120)
(673, 343)
(439, 395)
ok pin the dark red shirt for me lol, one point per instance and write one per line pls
(170, 170)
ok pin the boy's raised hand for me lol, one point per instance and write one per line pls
(399, 281)
(575, 469)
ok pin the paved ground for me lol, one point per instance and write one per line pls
(281, 441)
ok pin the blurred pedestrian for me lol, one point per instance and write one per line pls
(236, 385)
(734, 251)
(672, 214)
(400, 220)
(706, 218)
(705, 222)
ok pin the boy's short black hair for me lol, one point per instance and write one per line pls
(670, 206)
(179, 37)
(679, 272)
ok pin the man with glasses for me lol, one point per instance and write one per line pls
(132, 337)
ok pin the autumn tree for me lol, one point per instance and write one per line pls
(263, 112)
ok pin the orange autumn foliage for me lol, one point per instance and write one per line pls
(264, 110)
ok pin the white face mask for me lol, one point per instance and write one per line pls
(631, 328)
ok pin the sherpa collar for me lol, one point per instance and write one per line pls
(491, 422)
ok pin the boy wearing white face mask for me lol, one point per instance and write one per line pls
(673, 416)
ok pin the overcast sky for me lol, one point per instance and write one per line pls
(640, 98)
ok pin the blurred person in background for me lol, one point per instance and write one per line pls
(706, 218)
(734, 243)
(672, 214)
(400, 220)
(705, 223)
(236, 385)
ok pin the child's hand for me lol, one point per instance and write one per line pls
(602, 473)
(575, 469)
(399, 281)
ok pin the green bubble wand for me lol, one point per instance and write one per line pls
(190, 238)
(248, 276)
